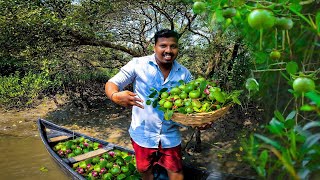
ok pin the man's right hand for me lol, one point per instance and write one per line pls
(127, 99)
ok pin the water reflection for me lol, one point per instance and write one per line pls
(23, 157)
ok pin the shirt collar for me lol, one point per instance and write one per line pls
(152, 60)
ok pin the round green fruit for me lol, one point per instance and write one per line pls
(194, 94)
(164, 95)
(229, 12)
(275, 55)
(284, 23)
(303, 85)
(167, 105)
(175, 91)
(198, 7)
(261, 19)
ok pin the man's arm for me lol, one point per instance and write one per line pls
(123, 98)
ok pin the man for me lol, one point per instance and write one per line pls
(149, 132)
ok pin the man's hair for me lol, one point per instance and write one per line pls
(165, 33)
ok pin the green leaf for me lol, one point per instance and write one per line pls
(155, 104)
(261, 57)
(287, 161)
(269, 141)
(279, 116)
(295, 6)
(163, 90)
(276, 127)
(263, 158)
(289, 124)
(168, 115)
(318, 22)
(307, 107)
(291, 115)
(148, 102)
(293, 144)
(292, 67)
(203, 86)
(311, 140)
(313, 96)
(153, 94)
(311, 124)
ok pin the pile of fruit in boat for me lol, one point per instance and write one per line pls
(75, 147)
(113, 165)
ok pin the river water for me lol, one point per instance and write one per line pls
(26, 158)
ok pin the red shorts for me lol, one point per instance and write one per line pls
(170, 158)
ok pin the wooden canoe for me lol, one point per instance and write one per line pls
(51, 134)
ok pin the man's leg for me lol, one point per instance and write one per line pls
(171, 160)
(175, 175)
(144, 160)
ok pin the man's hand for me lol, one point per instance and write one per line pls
(127, 99)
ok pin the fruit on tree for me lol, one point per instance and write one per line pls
(275, 55)
(198, 7)
(261, 19)
(303, 85)
(229, 12)
(284, 23)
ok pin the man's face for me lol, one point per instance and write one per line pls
(166, 49)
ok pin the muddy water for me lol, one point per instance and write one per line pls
(23, 157)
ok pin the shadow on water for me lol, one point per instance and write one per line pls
(23, 157)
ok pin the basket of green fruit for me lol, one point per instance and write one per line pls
(196, 103)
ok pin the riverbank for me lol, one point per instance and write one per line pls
(220, 150)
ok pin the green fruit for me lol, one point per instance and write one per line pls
(261, 19)
(198, 7)
(71, 155)
(189, 109)
(77, 151)
(190, 87)
(168, 105)
(164, 95)
(124, 169)
(183, 95)
(83, 164)
(284, 23)
(81, 139)
(120, 161)
(95, 160)
(121, 176)
(107, 176)
(97, 168)
(175, 91)
(187, 103)
(109, 165)
(229, 12)
(196, 103)
(303, 85)
(275, 55)
(182, 87)
(117, 152)
(115, 170)
(161, 102)
(103, 163)
(194, 94)
(178, 102)
(211, 96)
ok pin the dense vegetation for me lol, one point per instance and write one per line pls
(270, 49)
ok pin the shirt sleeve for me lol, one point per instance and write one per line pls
(125, 76)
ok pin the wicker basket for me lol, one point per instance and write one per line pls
(198, 119)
